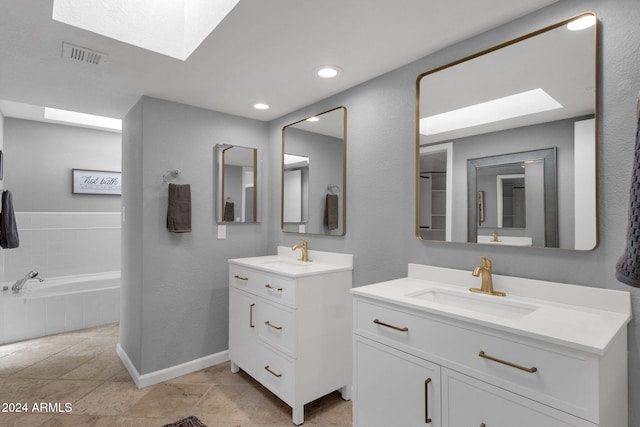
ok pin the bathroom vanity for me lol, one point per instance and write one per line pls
(429, 352)
(290, 324)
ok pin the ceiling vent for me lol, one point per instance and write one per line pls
(81, 54)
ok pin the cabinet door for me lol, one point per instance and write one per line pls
(393, 388)
(470, 402)
(242, 330)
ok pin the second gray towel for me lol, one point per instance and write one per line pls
(331, 211)
(179, 208)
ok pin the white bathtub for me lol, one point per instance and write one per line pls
(59, 304)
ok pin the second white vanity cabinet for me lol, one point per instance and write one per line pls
(290, 324)
(428, 353)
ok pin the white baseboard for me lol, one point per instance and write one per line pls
(156, 377)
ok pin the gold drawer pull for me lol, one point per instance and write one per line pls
(271, 372)
(504, 362)
(376, 321)
(241, 278)
(272, 325)
(268, 286)
(427, 420)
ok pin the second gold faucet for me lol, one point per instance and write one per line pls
(304, 248)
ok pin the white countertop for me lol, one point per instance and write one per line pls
(286, 262)
(578, 317)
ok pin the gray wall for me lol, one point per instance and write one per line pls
(38, 162)
(381, 170)
(175, 286)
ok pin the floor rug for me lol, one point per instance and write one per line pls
(187, 422)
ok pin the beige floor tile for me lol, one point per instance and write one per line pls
(165, 400)
(110, 398)
(23, 420)
(52, 367)
(103, 366)
(18, 361)
(219, 375)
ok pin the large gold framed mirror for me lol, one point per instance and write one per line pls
(506, 142)
(314, 174)
(239, 183)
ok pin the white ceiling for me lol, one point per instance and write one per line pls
(264, 50)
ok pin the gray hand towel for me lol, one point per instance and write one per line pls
(628, 266)
(8, 227)
(179, 208)
(331, 211)
(229, 211)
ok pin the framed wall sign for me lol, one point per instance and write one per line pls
(84, 181)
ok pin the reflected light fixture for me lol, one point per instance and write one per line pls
(261, 106)
(328, 71)
(508, 107)
(313, 119)
(582, 23)
(82, 119)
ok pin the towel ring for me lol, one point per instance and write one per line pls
(333, 187)
(174, 173)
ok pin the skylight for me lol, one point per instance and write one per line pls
(520, 104)
(171, 27)
(84, 119)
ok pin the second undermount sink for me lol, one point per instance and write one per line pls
(492, 305)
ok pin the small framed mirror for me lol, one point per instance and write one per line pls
(506, 142)
(314, 152)
(238, 189)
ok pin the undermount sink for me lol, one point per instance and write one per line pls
(477, 303)
(284, 264)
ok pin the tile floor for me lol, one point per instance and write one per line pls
(82, 371)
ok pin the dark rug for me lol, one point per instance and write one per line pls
(187, 422)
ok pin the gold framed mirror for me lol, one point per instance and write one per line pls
(239, 182)
(534, 93)
(314, 174)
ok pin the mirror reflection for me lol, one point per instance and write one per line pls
(475, 118)
(314, 174)
(238, 184)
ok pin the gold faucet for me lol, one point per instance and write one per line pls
(304, 247)
(495, 236)
(487, 282)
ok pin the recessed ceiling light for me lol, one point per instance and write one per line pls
(82, 119)
(328, 71)
(261, 106)
(313, 119)
(582, 23)
(517, 105)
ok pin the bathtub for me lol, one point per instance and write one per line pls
(59, 304)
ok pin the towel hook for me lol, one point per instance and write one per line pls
(332, 187)
(174, 173)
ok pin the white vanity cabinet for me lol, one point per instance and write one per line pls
(290, 324)
(454, 359)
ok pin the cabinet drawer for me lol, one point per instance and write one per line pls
(471, 402)
(271, 286)
(558, 377)
(277, 326)
(276, 372)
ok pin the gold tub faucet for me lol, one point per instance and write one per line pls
(487, 283)
(304, 247)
